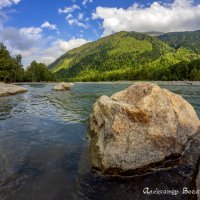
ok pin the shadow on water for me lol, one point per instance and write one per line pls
(92, 187)
(175, 178)
(44, 153)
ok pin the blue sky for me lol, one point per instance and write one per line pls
(43, 30)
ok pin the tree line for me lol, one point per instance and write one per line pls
(181, 71)
(11, 69)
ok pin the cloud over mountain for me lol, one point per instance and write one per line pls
(60, 47)
(33, 45)
(181, 15)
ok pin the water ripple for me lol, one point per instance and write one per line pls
(43, 150)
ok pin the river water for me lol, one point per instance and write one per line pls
(44, 148)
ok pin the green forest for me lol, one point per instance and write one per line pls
(11, 69)
(133, 56)
(120, 56)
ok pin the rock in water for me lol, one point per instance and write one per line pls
(139, 127)
(63, 86)
(9, 89)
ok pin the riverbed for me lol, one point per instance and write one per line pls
(44, 148)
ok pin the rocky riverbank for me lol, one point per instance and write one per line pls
(10, 89)
(181, 83)
(176, 82)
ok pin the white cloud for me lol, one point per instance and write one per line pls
(3, 18)
(69, 9)
(76, 22)
(8, 3)
(21, 39)
(181, 15)
(71, 20)
(60, 47)
(31, 42)
(33, 45)
(31, 32)
(49, 26)
(25, 41)
(80, 16)
(86, 1)
(69, 16)
(4, 14)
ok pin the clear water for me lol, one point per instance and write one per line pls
(43, 148)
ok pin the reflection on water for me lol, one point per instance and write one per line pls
(43, 150)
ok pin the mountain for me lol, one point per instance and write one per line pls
(154, 33)
(121, 56)
(189, 40)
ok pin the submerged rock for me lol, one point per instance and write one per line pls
(9, 89)
(63, 86)
(139, 128)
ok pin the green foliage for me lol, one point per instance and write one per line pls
(37, 72)
(123, 56)
(189, 40)
(115, 53)
(180, 71)
(11, 69)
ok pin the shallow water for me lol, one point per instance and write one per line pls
(43, 148)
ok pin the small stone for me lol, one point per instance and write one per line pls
(63, 86)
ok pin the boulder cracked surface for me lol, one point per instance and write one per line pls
(138, 127)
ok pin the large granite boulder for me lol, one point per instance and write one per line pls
(63, 86)
(138, 128)
(9, 89)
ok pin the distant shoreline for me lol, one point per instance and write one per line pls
(193, 83)
(181, 83)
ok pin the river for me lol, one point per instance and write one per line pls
(44, 148)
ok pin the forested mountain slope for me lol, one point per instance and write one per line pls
(189, 40)
(121, 56)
